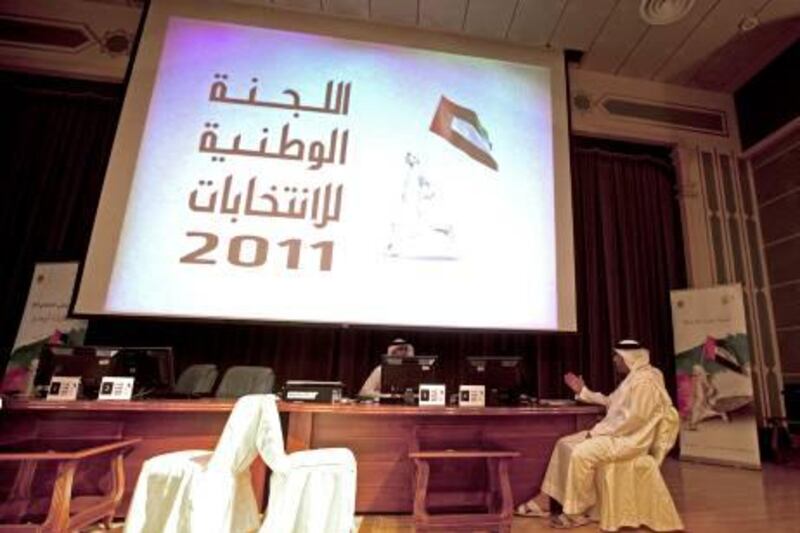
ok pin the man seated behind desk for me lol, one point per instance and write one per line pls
(372, 386)
(634, 410)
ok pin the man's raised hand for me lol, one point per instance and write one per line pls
(574, 382)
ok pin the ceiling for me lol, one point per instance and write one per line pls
(706, 49)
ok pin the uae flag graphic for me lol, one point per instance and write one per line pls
(461, 128)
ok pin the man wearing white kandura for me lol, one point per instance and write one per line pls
(397, 348)
(634, 411)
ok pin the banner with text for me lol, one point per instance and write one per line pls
(44, 320)
(713, 370)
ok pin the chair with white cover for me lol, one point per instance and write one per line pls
(199, 491)
(632, 492)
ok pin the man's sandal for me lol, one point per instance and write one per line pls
(563, 521)
(531, 509)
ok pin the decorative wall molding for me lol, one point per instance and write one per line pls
(80, 39)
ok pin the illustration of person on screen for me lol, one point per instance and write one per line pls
(421, 227)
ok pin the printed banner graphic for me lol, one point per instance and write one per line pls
(43, 321)
(714, 374)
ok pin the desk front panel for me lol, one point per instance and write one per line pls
(382, 438)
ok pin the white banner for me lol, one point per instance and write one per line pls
(43, 321)
(714, 373)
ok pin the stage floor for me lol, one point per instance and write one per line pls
(710, 499)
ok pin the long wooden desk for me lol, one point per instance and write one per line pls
(379, 436)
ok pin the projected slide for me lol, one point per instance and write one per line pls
(294, 177)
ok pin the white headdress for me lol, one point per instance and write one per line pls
(634, 355)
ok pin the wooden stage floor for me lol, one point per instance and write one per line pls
(710, 499)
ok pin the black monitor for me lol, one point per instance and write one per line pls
(90, 363)
(152, 367)
(399, 374)
(501, 375)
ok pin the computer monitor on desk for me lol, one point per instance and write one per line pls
(501, 375)
(90, 363)
(151, 367)
(400, 374)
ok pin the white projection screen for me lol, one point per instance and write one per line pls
(276, 166)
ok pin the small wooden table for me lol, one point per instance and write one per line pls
(498, 507)
(66, 455)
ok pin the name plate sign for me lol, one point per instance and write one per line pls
(472, 396)
(432, 395)
(116, 388)
(63, 388)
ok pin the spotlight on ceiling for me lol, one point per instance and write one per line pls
(663, 12)
(749, 23)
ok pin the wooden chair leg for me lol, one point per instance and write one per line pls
(421, 493)
(493, 493)
(58, 515)
(19, 496)
(117, 481)
(506, 495)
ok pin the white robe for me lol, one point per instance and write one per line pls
(372, 386)
(634, 411)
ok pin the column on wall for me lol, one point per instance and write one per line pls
(722, 237)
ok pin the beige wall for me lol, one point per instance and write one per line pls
(721, 226)
(776, 169)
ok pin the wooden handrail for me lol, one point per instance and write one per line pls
(68, 456)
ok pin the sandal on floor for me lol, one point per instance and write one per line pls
(531, 509)
(563, 521)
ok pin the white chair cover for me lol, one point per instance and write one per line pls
(632, 492)
(197, 491)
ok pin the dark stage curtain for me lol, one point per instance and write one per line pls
(629, 252)
(56, 138)
(627, 245)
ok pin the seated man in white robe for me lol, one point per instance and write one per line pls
(372, 386)
(634, 411)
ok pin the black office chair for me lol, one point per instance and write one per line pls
(197, 380)
(240, 381)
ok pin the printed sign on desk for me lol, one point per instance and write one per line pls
(472, 395)
(432, 395)
(116, 388)
(63, 388)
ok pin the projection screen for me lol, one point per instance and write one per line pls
(282, 167)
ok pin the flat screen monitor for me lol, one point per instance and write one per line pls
(152, 367)
(501, 375)
(90, 363)
(399, 374)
